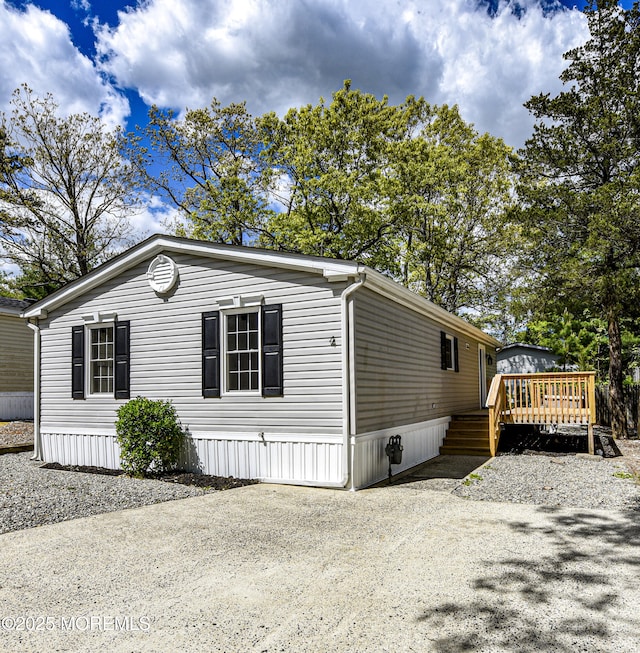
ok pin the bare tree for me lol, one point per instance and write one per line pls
(66, 193)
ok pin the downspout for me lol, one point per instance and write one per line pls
(37, 445)
(347, 349)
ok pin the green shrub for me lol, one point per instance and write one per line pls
(149, 434)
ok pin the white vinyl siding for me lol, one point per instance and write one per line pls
(398, 369)
(166, 354)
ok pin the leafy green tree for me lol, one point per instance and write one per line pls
(409, 189)
(333, 160)
(450, 190)
(576, 340)
(581, 181)
(209, 166)
(66, 193)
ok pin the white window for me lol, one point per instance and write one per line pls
(101, 360)
(242, 351)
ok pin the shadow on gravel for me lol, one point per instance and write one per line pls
(572, 600)
(567, 440)
(440, 467)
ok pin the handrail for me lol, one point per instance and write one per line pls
(496, 403)
(543, 398)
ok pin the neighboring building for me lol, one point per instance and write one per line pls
(520, 358)
(285, 368)
(16, 362)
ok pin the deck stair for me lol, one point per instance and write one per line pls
(468, 435)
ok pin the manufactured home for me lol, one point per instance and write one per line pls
(282, 367)
(16, 362)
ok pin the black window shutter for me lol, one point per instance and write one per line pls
(443, 350)
(272, 384)
(211, 354)
(77, 362)
(455, 355)
(122, 356)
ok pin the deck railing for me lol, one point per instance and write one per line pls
(496, 403)
(549, 398)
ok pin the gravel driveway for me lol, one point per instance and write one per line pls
(410, 567)
(276, 568)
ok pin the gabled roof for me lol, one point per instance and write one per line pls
(331, 269)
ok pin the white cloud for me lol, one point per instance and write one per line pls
(154, 217)
(274, 55)
(36, 48)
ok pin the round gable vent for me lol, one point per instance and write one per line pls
(162, 274)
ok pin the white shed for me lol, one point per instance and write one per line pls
(284, 368)
(522, 358)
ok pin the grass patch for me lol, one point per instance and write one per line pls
(471, 478)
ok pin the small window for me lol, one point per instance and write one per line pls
(101, 360)
(448, 352)
(242, 355)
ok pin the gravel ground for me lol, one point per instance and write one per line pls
(554, 480)
(265, 568)
(32, 496)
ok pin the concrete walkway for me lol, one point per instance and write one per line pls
(274, 568)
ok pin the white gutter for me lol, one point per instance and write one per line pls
(347, 350)
(37, 445)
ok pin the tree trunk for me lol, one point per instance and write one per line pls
(618, 412)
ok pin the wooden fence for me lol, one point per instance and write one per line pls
(631, 401)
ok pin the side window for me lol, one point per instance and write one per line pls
(449, 352)
(100, 360)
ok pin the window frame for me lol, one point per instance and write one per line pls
(449, 348)
(449, 352)
(224, 352)
(89, 329)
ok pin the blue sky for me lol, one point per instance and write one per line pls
(115, 58)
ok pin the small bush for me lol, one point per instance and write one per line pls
(149, 434)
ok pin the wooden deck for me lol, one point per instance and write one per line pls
(549, 398)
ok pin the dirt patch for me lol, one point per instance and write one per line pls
(183, 478)
(630, 450)
(15, 433)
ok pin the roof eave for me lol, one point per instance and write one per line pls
(385, 286)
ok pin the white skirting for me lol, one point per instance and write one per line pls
(307, 461)
(420, 443)
(16, 405)
(278, 458)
